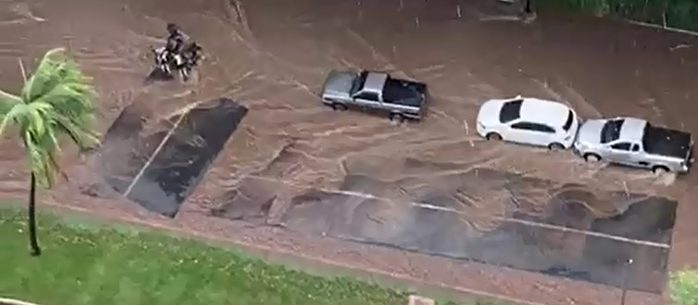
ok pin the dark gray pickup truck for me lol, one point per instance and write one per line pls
(399, 99)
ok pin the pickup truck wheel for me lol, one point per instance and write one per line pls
(493, 136)
(339, 107)
(660, 170)
(589, 157)
(556, 146)
(397, 117)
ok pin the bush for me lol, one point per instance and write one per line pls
(683, 287)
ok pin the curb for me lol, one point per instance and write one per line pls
(7, 301)
(420, 300)
(661, 27)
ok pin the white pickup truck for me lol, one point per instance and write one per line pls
(635, 142)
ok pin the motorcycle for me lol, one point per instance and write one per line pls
(166, 63)
(190, 57)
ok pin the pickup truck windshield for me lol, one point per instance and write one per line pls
(611, 131)
(358, 82)
(568, 123)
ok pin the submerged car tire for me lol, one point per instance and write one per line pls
(556, 146)
(589, 157)
(339, 107)
(493, 136)
(397, 117)
(660, 169)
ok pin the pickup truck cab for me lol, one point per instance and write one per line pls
(366, 90)
(635, 142)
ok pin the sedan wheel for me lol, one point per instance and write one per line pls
(494, 136)
(592, 158)
(556, 146)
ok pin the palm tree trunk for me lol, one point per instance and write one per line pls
(33, 240)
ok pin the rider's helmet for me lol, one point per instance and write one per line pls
(172, 28)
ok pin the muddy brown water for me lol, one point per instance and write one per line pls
(272, 61)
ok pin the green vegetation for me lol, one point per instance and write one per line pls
(92, 263)
(55, 100)
(681, 14)
(683, 287)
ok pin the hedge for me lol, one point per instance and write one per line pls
(680, 14)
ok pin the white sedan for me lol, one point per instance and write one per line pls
(529, 121)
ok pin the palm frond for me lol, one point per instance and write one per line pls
(38, 136)
(45, 76)
(13, 115)
(9, 99)
(56, 99)
(49, 150)
(58, 81)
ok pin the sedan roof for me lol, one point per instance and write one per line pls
(545, 112)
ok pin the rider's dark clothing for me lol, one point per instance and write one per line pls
(175, 42)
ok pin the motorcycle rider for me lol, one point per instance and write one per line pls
(175, 41)
(179, 53)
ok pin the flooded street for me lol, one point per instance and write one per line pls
(288, 154)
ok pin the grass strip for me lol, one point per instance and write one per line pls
(87, 263)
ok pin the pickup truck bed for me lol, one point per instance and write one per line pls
(667, 142)
(404, 92)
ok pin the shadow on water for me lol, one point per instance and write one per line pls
(158, 75)
(182, 161)
(544, 230)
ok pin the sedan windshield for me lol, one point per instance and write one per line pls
(511, 110)
(611, 131)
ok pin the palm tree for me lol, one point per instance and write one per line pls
(55, 100)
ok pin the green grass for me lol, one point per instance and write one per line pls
(683, 287)
(91, 263)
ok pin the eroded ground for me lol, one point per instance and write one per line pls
(271, 56)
